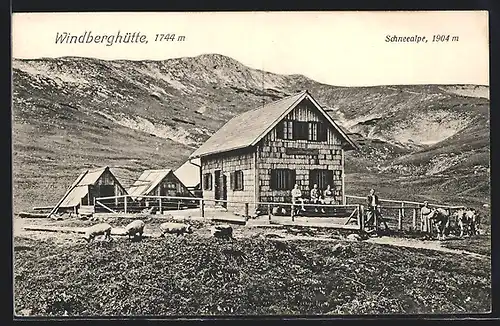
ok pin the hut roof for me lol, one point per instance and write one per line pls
(148, 180)
(80, 188)
(248, 128)
(189, 174)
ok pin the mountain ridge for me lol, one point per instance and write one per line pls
(208, 55)
(164, 109)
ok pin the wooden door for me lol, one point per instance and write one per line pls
(224, 191)
(220, 188)
(217, 191)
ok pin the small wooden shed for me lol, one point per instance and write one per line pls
(91, 184)
(189, 174)
(158, 183)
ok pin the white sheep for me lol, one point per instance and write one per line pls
(134, 228)
(175, 228)
(96, 230)
(354, 237)
(222, 231)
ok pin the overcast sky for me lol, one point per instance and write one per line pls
(338, 48)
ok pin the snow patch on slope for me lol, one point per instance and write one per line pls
(421, 129)
(43, 69)
(429, 129)
(156, 73)
(443, 162)
(469, 90)
(178, 134)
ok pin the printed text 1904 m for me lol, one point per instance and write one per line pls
(421, 39)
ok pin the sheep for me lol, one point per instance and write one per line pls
(98, 229)
(354, 237)
(278, 210)
(222, 231)
(175, 228)
(134, 228)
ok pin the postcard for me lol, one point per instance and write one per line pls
(208, 164)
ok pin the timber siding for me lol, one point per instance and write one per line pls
(93, 183)
(106, 179)
(170, 187)
(240, 160)
(158, 183)
(272, 154)
(293, 133)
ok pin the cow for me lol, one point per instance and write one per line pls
(467, 220)
(460, 217)
(441, 218)
(476, 219)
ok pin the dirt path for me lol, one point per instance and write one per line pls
(422, 244)
(64, 233)
(398, 242)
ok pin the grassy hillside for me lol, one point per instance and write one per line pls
(194, 275)
(73, 113)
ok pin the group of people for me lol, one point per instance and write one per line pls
(327, 197)
(468, 220)
(316, 196)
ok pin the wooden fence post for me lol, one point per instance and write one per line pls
(359, 218)
(422, 221)
(246, 211)
(449, 221)
(202, 208)
(362, 213)
(125, 203)
(400, 217)
(160, 204)
(292, 213)
(414, 220)
(269, 211)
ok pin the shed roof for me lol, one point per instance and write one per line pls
(189, 174)
(80, 188)
(248, 128)
(148, 180)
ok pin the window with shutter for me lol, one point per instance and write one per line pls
(322, 132)
(300, 130)
(322, 178)
(291, 180)
(207, 181)
(238, 179)
(280, 134)
(289, 130)
(313, 131)
(282, 179)
(232, 180)
(273, 182)
(285, 130)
